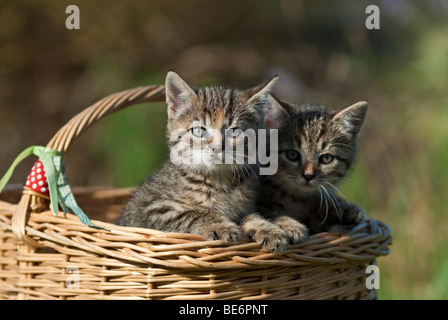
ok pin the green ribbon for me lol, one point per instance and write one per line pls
(60, 192)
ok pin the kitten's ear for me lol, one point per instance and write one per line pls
(262, 100)
(261, 93)
(177, 92)
(352, 117)
(274, 113)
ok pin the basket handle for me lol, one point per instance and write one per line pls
(67, 135)
(71, 131)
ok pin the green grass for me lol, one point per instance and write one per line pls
(130, 145)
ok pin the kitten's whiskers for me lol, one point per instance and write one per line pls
(321, 200)
(333, 200)
(326, 203)
(247, 165)
(339, 191)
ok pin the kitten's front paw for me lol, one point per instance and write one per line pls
(273, 238)
(353, 215)
(296, 231)
(226, 231)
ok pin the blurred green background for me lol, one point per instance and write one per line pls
(322, 52)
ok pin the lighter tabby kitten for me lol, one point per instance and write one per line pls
(316, 150)
(204, 198)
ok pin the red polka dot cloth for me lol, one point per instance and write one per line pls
(37, 179)
(50, 182)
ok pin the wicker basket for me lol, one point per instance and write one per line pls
(43, 256)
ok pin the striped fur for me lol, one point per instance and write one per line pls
(202, 198)
(302, 196)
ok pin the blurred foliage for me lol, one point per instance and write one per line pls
(322, 52)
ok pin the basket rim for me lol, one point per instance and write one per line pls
(65, 233)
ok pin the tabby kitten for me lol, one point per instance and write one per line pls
(315, 151)
(196, 191)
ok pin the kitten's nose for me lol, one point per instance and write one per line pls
(309, 172)
(308, 177)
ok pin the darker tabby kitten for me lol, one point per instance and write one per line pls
(196, 191)
(315, 151)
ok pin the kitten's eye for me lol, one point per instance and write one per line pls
(326, 158)
(292, 155)
(198, 131)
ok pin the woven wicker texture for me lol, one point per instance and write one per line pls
(57, 257)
